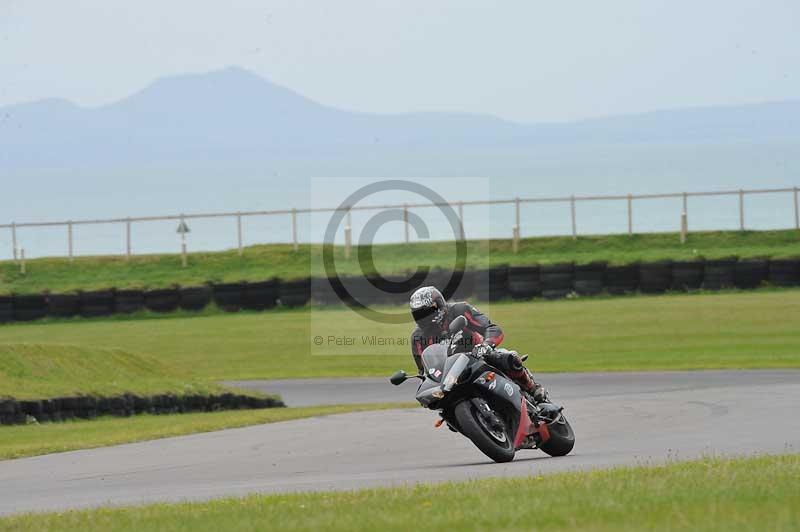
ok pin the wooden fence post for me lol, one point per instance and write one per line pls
(69, 240)
(461, 220)
(14, 238)
(128, 239)
(630, 215)
(741, 210)
(574, 222)
(239, 232)
(515, 243)
(348, 235)
(295, 243)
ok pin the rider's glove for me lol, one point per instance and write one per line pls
(483, 349)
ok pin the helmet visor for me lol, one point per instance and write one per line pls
(423, 316)
(427, 316)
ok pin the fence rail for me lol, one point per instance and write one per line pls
(571, 200)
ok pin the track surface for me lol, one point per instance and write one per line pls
(618, 419)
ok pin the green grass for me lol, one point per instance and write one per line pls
(39, 371)
(712, 494)
(721, 330)
(265, 261)
(30, 440)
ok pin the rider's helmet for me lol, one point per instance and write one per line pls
(428, 307)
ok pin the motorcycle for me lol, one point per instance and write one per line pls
(484, 405)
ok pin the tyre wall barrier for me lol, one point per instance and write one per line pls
(524, 282)
(784, 272)
(720, 274)
(194, 297)
(162, 300)
(688, 275)
(620, 280)
(128, 301)
(751, 273)
(63, 305)
(97, 303)
(557, 280)
(86, 407)
(30, 307)
(6, 309)
(228, 296)
(655, 277)
(590, 278)
(465, 288)
(260, 296)
(294, 293)
(492, 284)
(550, 281)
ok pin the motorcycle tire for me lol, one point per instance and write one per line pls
(467, 416)
(562, 438)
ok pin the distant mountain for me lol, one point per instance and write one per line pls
(233, 114)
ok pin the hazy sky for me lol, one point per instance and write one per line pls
(522, 60)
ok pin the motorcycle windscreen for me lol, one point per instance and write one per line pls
(453, 369)
(433, 359)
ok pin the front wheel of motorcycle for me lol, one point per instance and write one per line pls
(495, 444)
(562, 437)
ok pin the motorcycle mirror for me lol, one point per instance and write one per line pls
(399, 377)
(457, 324)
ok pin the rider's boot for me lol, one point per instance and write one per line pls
(525, 381)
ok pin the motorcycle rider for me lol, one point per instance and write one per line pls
(433, 315)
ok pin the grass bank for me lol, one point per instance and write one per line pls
(713, 494)
(682, 331)
(31, 440)
(265, 261)
(41, 371)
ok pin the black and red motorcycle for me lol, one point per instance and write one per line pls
(484, 405)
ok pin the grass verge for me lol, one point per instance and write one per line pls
(265, 261)
(31, 440)
(712, 494)
(41, 371)
(702, 331)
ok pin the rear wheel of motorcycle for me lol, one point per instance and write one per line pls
(468, 419)
(562, 438)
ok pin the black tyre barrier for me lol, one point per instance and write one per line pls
(194, 297)
(751, 273)
(6, 309)
(590, 278)
(63, 305)
(784, 272)
(86, 407)
(720, 273)
(322, 292)
(29, 307)
(557, 280)
(294, 293)
(162, 300)
(687, 275)
(128, 301)
(261, 295)
(228, 296)
(524, 282)
(466, 288)
(361, 290)
(623, 279)
(97, 303)
(492, 284)
(655, 277)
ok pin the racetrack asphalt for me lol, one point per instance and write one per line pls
(619, 419)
